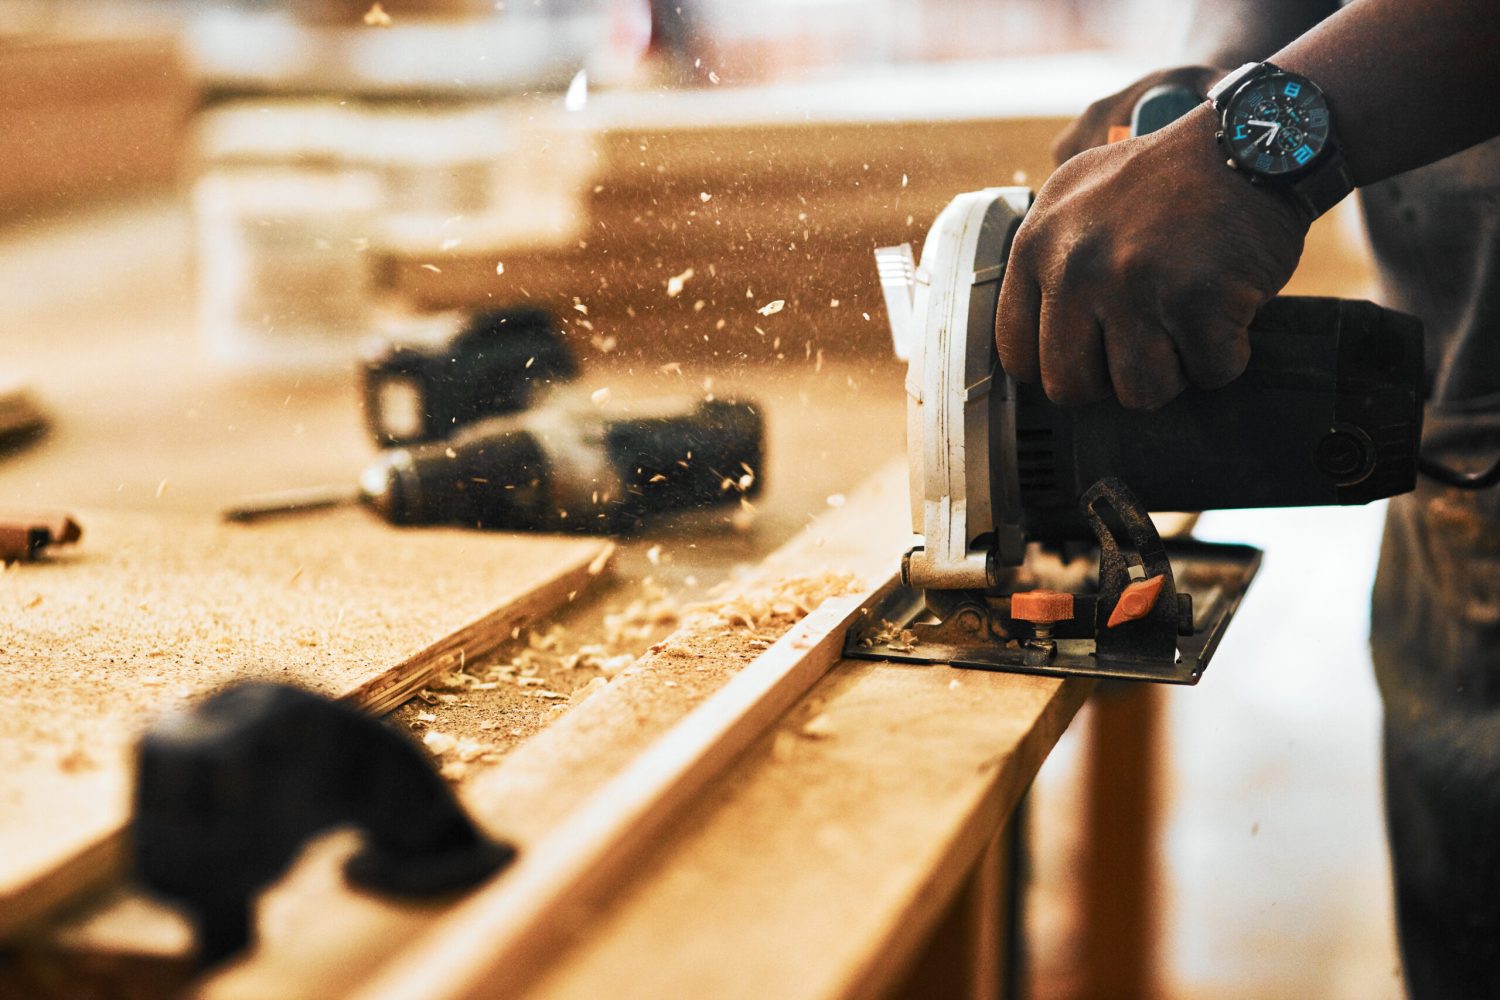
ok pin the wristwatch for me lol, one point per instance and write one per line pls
(1278, 130)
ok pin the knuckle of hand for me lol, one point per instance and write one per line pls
(1219, 360)
(1190, 299)
(1081, 259)
(1019, 369)
(1011, 347)
(1022, 247)
(1131, 264)
(1239, 305)
(1071, 389)
(1150, 394)
(1012, 356)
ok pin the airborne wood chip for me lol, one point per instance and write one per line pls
(819, 727)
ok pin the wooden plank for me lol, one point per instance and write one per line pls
(791, 197)
(505, 934)
(85, 118)
(967, 954)
(810, 199)
(149, 613)
(819, 868)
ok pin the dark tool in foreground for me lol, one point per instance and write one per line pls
(500, 361)
(562, 466)
(25, 535)
(22, 419)
(1010, 490)
(227, 794)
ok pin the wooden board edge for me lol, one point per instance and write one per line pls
(60, 885)
(503, 935)
(383, 694)
(889, 954)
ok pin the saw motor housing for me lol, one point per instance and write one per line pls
(1328, 411)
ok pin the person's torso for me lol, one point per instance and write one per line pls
(1436, 236)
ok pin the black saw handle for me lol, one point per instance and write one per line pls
(1161, 106)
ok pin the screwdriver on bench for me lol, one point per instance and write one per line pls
(559, 467)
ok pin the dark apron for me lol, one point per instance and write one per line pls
(1435, 636)
(1435, 616)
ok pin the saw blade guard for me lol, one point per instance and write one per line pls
(960, 430)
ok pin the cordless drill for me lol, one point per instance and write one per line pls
(563, 466)
(490, 429)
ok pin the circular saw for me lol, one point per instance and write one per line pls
(1037, 551)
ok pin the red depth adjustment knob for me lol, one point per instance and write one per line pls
(1041, 606)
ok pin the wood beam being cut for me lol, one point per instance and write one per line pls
(504, 935)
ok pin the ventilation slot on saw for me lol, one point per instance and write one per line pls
(1036, 465)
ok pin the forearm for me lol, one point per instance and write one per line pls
(1231, 32)
(1409, 83)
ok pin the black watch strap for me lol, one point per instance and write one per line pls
(1328, 184)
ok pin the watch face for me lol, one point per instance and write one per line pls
(1276, 125)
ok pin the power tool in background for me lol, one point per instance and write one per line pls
(1037, 552)
(22, 419)
(459, 369)
(490, 429)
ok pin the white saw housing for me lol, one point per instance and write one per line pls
(960, 403)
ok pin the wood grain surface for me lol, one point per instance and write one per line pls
(820, 865)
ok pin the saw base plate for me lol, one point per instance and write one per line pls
(1216, 575)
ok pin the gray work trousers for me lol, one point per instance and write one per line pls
(1435, 638)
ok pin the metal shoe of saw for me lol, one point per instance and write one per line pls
(1037, 553)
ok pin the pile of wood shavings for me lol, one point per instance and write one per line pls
(642, 617)
(751, 620)
(770, 608)
(545, 654)
(898, 639)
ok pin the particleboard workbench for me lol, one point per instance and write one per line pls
(152, 612)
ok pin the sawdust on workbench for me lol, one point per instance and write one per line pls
(472, 717)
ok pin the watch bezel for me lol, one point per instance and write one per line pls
(1226, 102)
